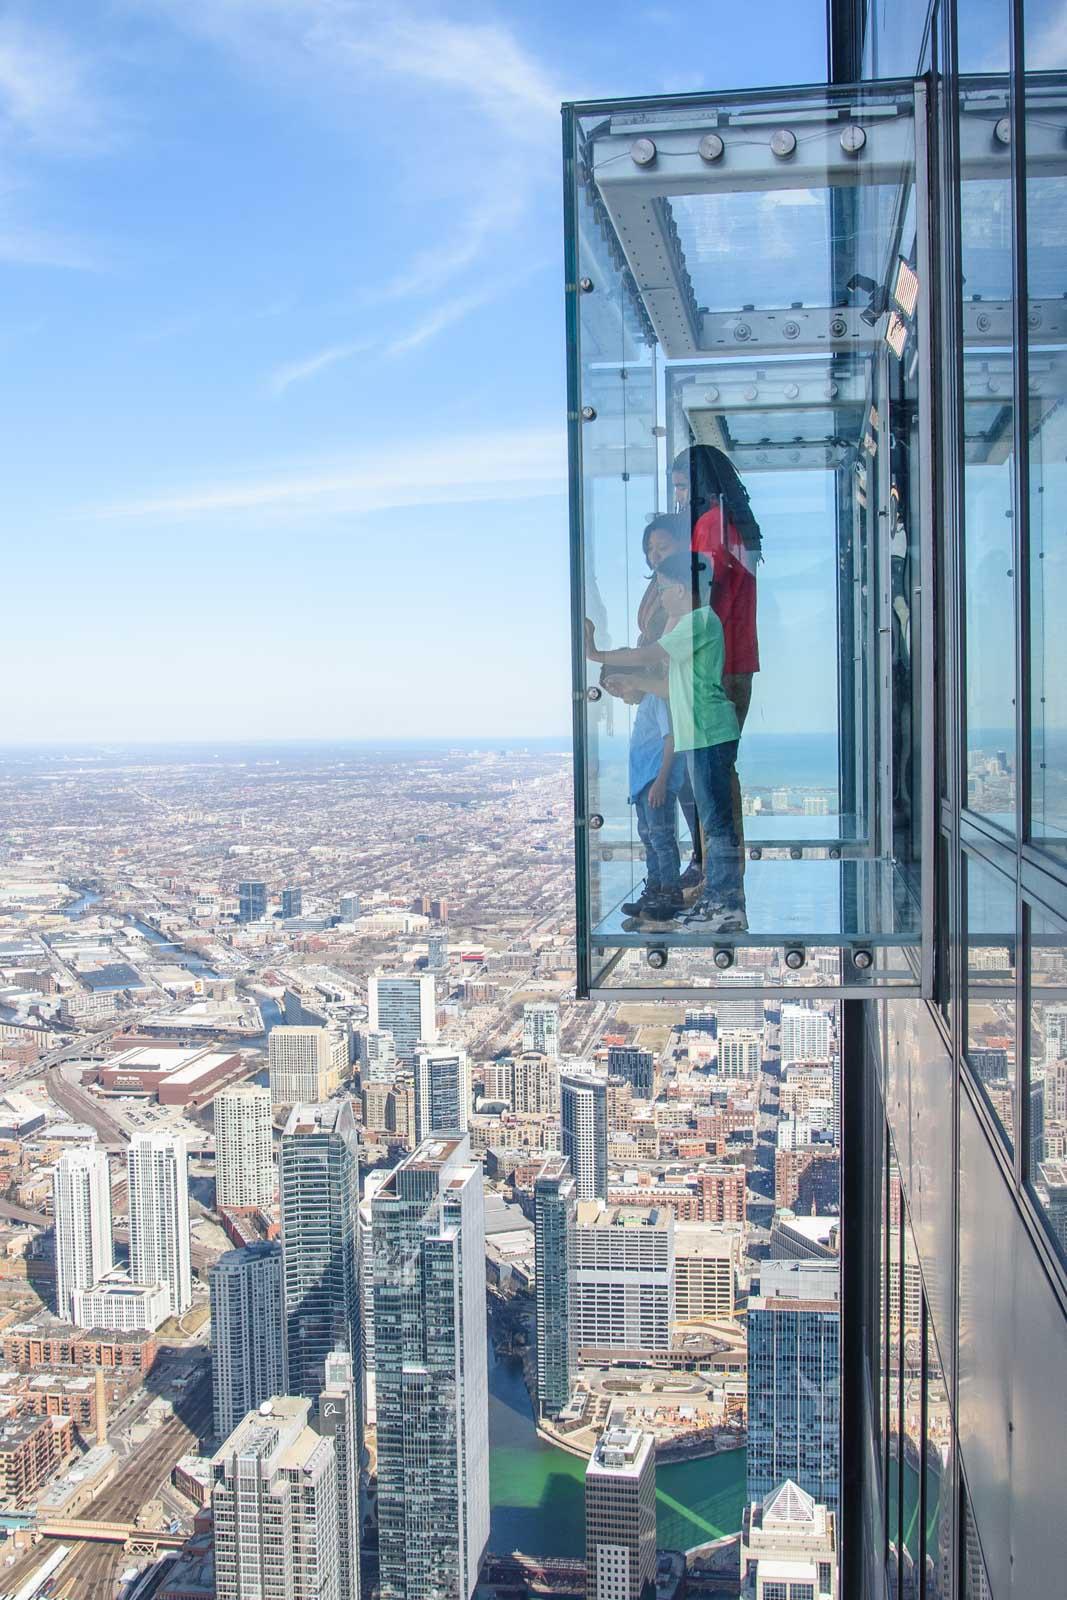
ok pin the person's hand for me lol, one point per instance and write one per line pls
(591, 650)
(657, 791)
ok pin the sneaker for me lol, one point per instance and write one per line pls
(661, 914)
(634, 908)
(733, 919)
(693, 876)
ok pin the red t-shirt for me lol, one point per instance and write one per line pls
(735, 589)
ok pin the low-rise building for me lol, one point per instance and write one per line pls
(32, 1450)
(119, 1305)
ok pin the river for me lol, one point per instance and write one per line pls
(181, 958)
(536, 1490)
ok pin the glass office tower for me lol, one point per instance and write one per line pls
(817, 354)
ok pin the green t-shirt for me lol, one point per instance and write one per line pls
(701, 712)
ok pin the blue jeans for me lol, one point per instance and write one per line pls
(658, 828)
(711, 774)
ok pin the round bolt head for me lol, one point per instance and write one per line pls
(1002, 131)
(643, 152)
(794, 959)
(853, 139)
(585, 285)
(755, 854)
(751, 392)
(783, 143)
(742, 333)
(863, 960)
(792, 391)
(589, 413)
(596, 822)
(710, 147)
(657, 958)
(795, 852)
(711, 395)
(791, 330)
(594, 693)
(723, 959)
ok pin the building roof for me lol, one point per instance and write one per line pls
(789, 1503)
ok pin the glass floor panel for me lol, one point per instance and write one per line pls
(808, 902)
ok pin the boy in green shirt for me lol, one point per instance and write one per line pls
(705, 730)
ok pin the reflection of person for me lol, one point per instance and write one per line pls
(705, 727)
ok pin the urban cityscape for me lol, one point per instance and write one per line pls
(341, 1242)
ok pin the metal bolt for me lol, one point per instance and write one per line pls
(755, 854)
(723, 958)
(795, 852)
(1002, 131)
(783, 143)
(594, 693)
(643, 152)
(596, 821)
(589, 413)
(791, 330)
(585, 285)
(795, 958)
(710, 147)
(863, 960)
(657, 958)
(742, 333)
(838, 327)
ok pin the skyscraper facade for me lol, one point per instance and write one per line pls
(157, 1167)
(442, 1092)
(584, 1132)
(431, 1374)
(805, 1035)
(555, 1214)
(319, 1186)
(81, 1207)
(246, 1325)
(540, 1027)
(637, 1067)
(275, 1510)
(740, 1052)
(404, 1005)
(351, 907)
(337, 1419)
(252, 901)
(620, 1516)
(305, 1064)
(292, 902)
(794, 1375)
(622, 1278)
(244, 1151)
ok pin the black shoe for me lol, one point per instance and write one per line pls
(693, 875)
(635, 908)
(663, 912)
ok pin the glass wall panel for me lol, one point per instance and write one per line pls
(1047, 1098)
(894, 1455)
(938, 1468)
(1046, 271)
(986, 253)
(991, 950)
(975, 1584)
(911, 1376)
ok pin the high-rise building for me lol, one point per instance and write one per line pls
(705, 1269)
(620, 1516)
(442, 1092)
(351, 908)
(318, 1172)
(378, 1055)
(246, 1327)
(740, 1052)
(405, 1005)
(81, 1207)
(540, 1027)
(805, 1034)
(740, 1010)
(157, 1167)
(583, 1102)
(437, 952)
(305, 1064)
(555, 1215)
(533, 1088)
(337, 1419)
(794, 1374)
(274, 1507)
(789, 1547)
(292, 902)
(252, 901)
(622, 1278)
(245, 1175)
(431, 1374)
(371, 1184)
(637, 1067)
(439, 909)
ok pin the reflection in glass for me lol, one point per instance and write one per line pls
(1047, 1100)
(937, 1459)
(894, 1350)
(976, 1584)
(1046, 247)
(911, 1402)
(991, 946)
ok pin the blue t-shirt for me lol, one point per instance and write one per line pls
(651, 726)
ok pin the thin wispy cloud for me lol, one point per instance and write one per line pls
(445, 316)
(300, 371)
(48, 98)
(506, 465)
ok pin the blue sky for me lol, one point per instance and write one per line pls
(281, 331)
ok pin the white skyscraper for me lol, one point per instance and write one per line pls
(81, 1204)
(805, 1035)
(620, 1516)
(540, 1027)
(431, 1367)
(378, 1056)
(244, 1156)
(305, 1064)
(740, 1052)
(404, 1005)
(275, 1506)
(583, 1101)
(442, 1092)
(157, 1171)
(246, 1321)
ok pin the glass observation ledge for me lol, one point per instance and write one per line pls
(750, 434)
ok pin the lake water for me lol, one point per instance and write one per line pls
(536, 1490)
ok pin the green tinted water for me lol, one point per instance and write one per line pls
(536, 1490)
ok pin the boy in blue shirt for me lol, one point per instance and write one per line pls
(656, 775)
